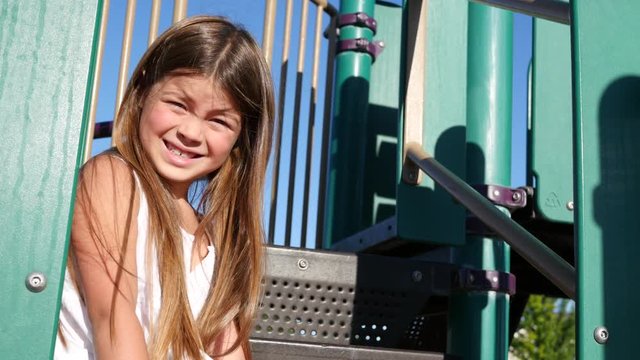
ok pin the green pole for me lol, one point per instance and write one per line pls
(478, 321)
(344, 212)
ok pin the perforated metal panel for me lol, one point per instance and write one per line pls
(343, 299)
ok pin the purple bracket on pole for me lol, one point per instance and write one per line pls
(465, 279)
(358, 19)
(373, 48)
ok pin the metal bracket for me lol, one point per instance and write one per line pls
(465, 279)
(358, 19)
(373, 48)
(503, 196)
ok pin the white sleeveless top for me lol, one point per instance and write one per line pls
(74, 320)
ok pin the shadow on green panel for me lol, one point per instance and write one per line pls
(616, 211)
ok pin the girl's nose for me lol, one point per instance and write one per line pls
(190, 130)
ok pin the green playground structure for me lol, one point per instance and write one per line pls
(420, 238)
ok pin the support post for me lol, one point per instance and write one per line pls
(479, 321)
(347, 150)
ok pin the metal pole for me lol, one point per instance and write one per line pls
(97, 74)
(479, 321)
(125, 57)
(268, 29)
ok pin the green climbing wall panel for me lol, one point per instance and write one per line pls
(46, 51)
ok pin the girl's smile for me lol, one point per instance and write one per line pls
(188, 128)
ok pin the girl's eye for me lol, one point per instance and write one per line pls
(219, 121)
(177, 104)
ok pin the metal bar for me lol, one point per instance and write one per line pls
(296, 120)
(179, 10)
(286, 42)
(97, 75)
(553, 10)
(328, 8)
(154, 21)
(268, 29)
(326, 130)
(125, 56)
(313, 98)
(545, 260)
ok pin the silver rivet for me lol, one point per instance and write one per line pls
(416, 276)
(36, 282)
(303, 264)
(496, 192)
(601, 335)
(570, 206)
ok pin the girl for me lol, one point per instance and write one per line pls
(149, 276)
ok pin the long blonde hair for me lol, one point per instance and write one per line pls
(231, 200)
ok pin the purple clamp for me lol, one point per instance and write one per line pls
(358, 19)
(503, 196)
(465, 279)
(373, 48)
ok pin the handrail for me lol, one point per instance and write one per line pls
(534, 251)
(553, 10)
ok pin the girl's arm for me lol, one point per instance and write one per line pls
(103, 239)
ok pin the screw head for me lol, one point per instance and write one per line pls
(303, 264)
(516, 196)
(570, 206)
(36, 282)
(416, 276)
(601, 335)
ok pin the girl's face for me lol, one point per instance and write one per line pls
(188, 128)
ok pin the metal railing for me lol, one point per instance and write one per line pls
(309, 108)
(534, 251)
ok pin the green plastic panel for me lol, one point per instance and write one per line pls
(427, 213)
(46, 52)
(550, 129)
(606, 69)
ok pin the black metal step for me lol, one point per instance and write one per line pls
(288, 350)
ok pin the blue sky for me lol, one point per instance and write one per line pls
(249, 13)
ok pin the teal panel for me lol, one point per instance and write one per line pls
(426, 212)
(45, 62)
(382, 130)
(551, 127)
(607, 123)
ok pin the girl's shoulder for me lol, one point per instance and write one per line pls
(108, 176)
(107, 165)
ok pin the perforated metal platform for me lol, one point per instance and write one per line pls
(347, 300)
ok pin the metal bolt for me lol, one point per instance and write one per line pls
(601, 335)
(516, 196)
(496, 193)
(570, 206)
(416, 276)
(303, 264)
(36, 282)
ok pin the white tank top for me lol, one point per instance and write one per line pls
(74, 320)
